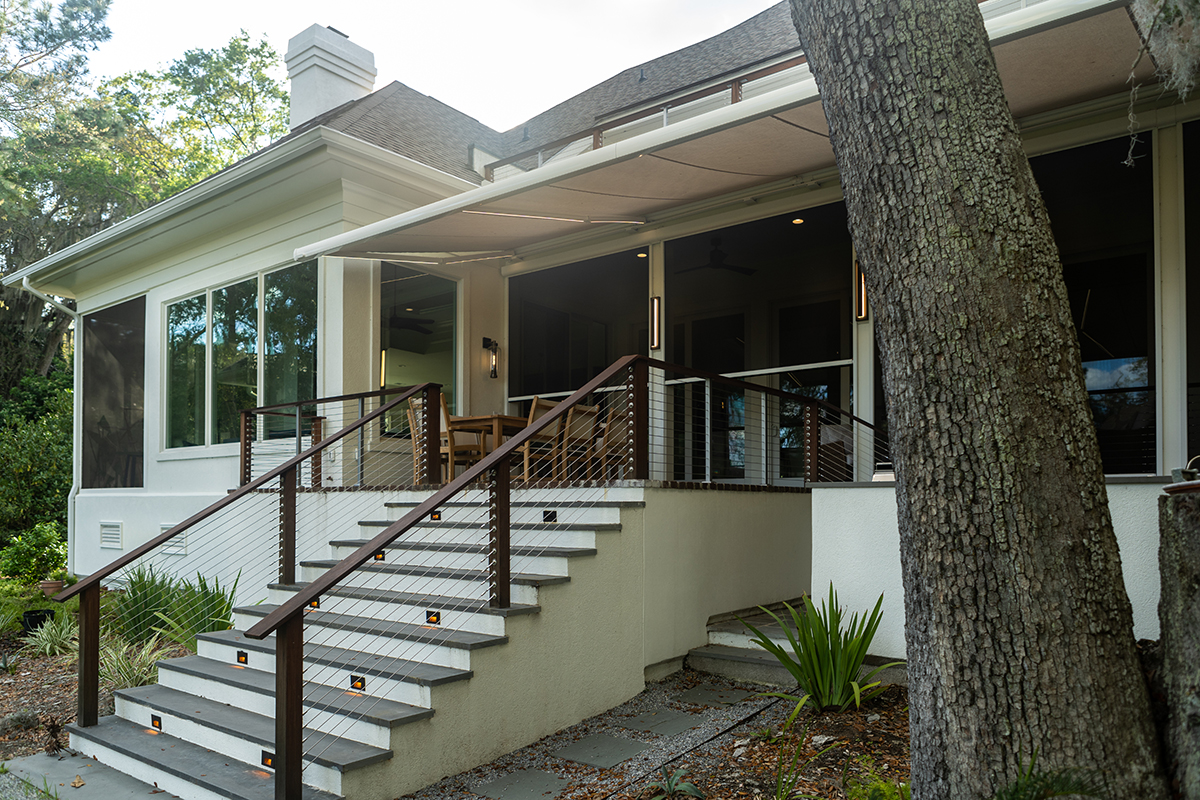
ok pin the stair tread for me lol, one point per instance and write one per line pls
(445, 637)
(434, 601)
(520, 578)
(333, 751)
(368, 664)
(376, 710)
(457, 547)
(483, 525)
(754, 655)
(212, 771)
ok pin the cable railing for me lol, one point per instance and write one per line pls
(236, 547)
(415, 593)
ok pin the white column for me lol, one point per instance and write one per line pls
(864, 387)
(1170, 298)
(659, 417)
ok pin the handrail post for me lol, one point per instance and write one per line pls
(639, 394)
(287, 526)
(708, 430)
(318, 431)
(362, 443)
(289, 708)
(299, 444)
(431, 407)
(88, 708)
(812, 442)
(247, 434)
(499, 576)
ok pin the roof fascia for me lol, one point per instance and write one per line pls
(1017, 24)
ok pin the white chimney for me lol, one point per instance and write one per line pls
(326, 69)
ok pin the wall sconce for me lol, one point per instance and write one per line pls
(655, 322)
(493, 347)
(860, 292)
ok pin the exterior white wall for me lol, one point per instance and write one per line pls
(856, 545)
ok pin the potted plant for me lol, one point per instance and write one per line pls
(35, 556)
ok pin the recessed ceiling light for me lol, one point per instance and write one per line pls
(797, 221)
(641, 255)
(410, 308)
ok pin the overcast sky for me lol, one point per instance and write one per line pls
(500, 62)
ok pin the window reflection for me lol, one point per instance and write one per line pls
(185, 372)
(235, 357)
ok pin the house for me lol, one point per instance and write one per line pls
(686, 209)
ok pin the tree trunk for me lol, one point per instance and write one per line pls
(1179, 615)
(1018, 627)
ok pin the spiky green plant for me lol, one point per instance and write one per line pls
(58, 637)
(673, 785)
(124, 665)
(146, 594)
(197, 608)
(825, 659)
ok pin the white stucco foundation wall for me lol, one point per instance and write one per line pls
(856, 545)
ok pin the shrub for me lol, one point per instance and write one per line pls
(197, 608)
(35, 470)
(124, 666)
(35, 554)
(147, 594)
(58, 637)
(825, 659)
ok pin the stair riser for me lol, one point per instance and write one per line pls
(325, 674)
(227, 744)
(346, 727)
(389, 646)
(572, 537)
(743, 640)
(150, 774)
(525, 515)
(541, 565)
(413, 613)
(450, 587)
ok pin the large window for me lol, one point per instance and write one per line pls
(114, 368)
(1102, 215)
(231, 346)
(417, 317)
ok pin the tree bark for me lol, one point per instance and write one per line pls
(1019, 631)
(1179, 615)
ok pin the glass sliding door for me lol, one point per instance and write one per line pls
(289, 340)
(235, 357)
(417, 332)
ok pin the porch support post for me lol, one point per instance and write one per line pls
(287, 526)
(499, 575)
(87, 713)
(289, 708)
(318, 433)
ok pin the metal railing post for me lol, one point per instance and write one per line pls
(431, 407)
(362, 444)
(299, 444)
(247, 438)
(708, 431)
(318, 431)
(88, 710)
(499, 576)
(812, 442)
(640, 409)
(289, 709)
(287, 526)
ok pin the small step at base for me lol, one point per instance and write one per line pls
(58, 774)
(759, 666)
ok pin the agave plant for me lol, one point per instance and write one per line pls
(825, 659)
(673, 785)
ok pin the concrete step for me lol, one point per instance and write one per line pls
(421, 643)
(473, 555)
(175, 765)
(456, 613)
(241, 734)
(396, 679)
(475, 530)
(351, 715)
(433, 581)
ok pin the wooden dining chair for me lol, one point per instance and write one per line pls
(610, 453)
(577, 447)
(455, 449)
(542, 447)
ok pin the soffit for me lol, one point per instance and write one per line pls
(1055, 67)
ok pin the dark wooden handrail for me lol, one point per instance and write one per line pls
(338, 399)
(133, 555)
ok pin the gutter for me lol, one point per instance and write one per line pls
(76, 381)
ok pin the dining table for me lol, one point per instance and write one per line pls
(496, 426)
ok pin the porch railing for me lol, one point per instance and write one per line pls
(246, 540)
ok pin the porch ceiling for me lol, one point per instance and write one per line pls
(1082, 54)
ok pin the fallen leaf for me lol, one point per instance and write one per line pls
(77, 782)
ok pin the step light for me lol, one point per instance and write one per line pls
(433, 617)
(549, 516)
(268, 759)
(378, 556)
(314, 603)
(436, 516)
(358, 683)
(156, 722)
(243, 657)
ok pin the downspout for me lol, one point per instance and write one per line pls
(75, 415)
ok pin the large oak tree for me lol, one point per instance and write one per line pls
(1019, 630)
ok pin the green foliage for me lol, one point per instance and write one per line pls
(197, 608)
(35, 395)
(35, 473)
(673, 785)
(825, 659)
(874, 786)
(124, 665)
(34, 555)
(43, 48)
(1035, 784)
(58, 637)
(147, 594)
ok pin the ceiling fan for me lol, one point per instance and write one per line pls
(716, 260)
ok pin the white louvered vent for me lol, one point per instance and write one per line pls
(178, 545)
(110, 535)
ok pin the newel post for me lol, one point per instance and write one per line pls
(287, 526)
(499, 577)
(88, 711)
(247, 434)
(289, 708)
